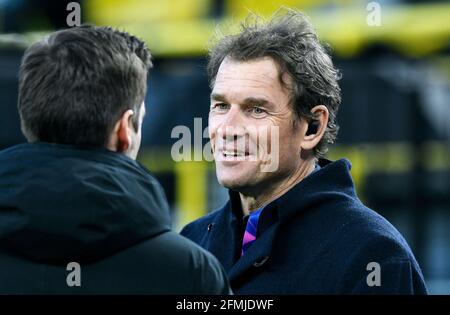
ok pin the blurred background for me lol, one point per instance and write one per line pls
(394, 118)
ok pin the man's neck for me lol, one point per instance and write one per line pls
(252, 202)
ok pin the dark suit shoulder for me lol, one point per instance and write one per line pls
(362, 241)
(370, 229)
(164, 264)
(208, 275)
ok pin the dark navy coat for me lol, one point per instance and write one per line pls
(318, 238)
(61, 204)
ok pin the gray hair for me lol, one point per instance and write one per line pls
(291, 40)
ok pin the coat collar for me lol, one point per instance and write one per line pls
(313, 190)
(332, 177)
(317, 188)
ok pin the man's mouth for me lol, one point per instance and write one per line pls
(233, 153)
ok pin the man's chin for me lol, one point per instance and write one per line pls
(228, 182)
(234, 183)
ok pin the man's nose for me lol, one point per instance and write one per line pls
(233, 126)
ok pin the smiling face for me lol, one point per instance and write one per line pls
(248, 104)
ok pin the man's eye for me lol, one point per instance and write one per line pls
(221, 106)
(258, 111)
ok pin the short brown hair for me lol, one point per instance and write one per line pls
(76, 83)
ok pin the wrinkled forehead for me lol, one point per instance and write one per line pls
(258, 77)
(263, 69)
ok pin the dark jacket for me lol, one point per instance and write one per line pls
(100, 209)
(318, 238)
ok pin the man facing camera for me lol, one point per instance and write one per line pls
(78, 214)
(293, 223)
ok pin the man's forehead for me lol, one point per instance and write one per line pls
(263, 70)
(259, 77)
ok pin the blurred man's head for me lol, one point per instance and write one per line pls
(270, 75)
(85, 86)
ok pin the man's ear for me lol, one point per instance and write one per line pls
(120, 139)
(313, 130)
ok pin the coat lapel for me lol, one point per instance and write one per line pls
(256, 255)
(222, 237)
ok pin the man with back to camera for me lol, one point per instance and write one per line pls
(297, 228)
(75, 194)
